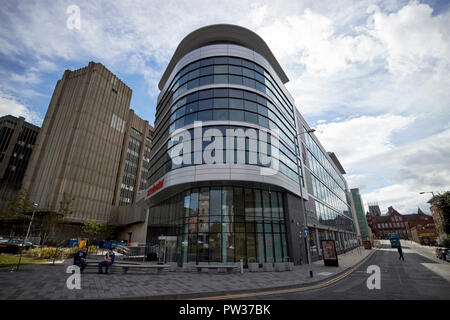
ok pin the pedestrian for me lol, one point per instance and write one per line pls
(107, 261)
(400, 252)
(80, 259)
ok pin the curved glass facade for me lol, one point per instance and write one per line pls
(226, 109)
(222, 224)
(261, 104)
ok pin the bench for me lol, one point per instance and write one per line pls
(228, 268)
(160, 268)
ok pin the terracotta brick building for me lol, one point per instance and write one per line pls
(391, 222)
(394, 222)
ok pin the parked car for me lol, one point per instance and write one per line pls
(367, 244)
(436, 252)
(14, 245)
(441, 253)
(445, 254)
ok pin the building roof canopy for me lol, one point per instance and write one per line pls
(222, 33)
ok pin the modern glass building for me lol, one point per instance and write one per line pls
(232, 170)
(361, 216)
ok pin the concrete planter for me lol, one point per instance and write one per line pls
(173, 266)
(253, 267)
(187, 267)
(279, 266)
(289, 266)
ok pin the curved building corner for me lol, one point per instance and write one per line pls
(232, 168)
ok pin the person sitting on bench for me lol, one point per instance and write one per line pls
(79, 259)
(107, 262)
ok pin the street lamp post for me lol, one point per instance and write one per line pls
(305, 226)
(427, 192)
(26, 237)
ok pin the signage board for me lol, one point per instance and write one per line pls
(158, 185)
(330, 257)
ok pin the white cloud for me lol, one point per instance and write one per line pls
(29, 78)
(413, 38)
(310, 39)
(360, 138)
(384, 172)
(11, 106)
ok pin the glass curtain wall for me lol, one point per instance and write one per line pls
(223, 224)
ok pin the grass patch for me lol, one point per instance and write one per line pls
(9, 260)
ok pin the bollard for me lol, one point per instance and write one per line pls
(242, 266)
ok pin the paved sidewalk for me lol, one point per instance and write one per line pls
(49, 282)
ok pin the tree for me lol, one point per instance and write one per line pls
(442, 202)
(17, 211)
(52, 221)
(98, 231)
(17, 208)
(92, 229)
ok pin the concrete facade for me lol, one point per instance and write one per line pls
(81, 151)
(17, 140)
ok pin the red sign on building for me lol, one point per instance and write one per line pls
(155, 187)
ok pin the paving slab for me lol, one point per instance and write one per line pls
(49, 281)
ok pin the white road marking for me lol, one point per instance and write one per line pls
(325, 273)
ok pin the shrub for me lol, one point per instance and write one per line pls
(443, 241)
(92, 249)
(44, 252)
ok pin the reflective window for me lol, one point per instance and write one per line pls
(217, 224)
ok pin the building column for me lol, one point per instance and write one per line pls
(316, 231)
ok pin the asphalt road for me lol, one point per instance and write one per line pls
(409, 279)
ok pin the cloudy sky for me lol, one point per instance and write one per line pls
(371, 76)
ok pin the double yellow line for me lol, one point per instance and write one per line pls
(283, 291)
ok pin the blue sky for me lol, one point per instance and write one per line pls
(371, 76)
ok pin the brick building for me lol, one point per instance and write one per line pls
(424, 234)
(416, 219)
(394, 222)
(391, 222)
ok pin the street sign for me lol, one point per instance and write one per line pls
(306, 232)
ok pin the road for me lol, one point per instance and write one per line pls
(420, 276)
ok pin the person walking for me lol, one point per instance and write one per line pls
(79, 259)
(107, 262)
(400, 252)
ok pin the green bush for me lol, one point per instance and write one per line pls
(51, 252)
(443, 241)
(44, 252)
(69, 252)
(92, 249)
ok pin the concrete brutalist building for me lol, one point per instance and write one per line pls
(92, 147)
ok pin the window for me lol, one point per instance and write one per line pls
(204, 115)
(236, 115)
(220, 114)
(250, 106)
(251, 117)
(221, 103)
(205, 104)
(236, 104)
